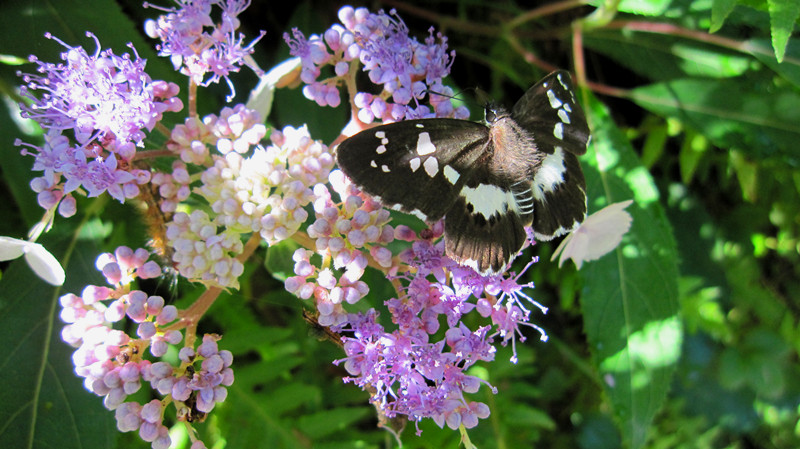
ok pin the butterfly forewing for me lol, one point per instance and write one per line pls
(418, 165)
(550, 112)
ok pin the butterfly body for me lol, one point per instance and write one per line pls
(488, 181)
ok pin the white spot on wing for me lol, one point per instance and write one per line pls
(431, 166)
(555, 103)
(567, 107)
(385, 169)
(419, 125)
(488, 200)
(414, 163)
(561, 81)
(380, 134)
(416, 212)
(424, 144)
(550, 174)
(562, 114)
(558, 131)
(373, 164)
(451, 174)
(382, 148)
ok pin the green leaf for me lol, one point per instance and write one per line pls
(692, 151)
(719, 12)
(663, 57)
(43, 402)
(760, 119)
(789, 68)
(630, 296)
(279, 259)
(324, 423)
(644, 8)
(782, 15)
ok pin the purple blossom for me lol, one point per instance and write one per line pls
(196, 45)
(407, 69)
(102, 97)
(108, 102)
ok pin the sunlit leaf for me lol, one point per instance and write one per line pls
(782, 15)
(43, 402)
(719, 12)
(789, 68)
(730, 113)
(663, 57)
(630, 295)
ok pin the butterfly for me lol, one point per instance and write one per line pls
(487, 180)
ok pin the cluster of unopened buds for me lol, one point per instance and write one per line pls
(113, 363)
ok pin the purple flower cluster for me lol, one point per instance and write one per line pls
(407, 70)
(112, 362)
(417, 371)
(107, 101)
(196, 45)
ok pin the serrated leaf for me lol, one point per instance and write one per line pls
(719, 12)
(629, 299)
(763, 120)
(782, 15)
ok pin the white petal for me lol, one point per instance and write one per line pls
(11, 248)
(600, 233)
(44, 264)
(281, 75)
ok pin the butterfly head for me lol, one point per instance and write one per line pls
(494, 112)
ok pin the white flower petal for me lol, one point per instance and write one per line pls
(11, 248)
(600, 233)
(44, 264)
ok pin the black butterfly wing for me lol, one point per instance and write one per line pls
(485, 227)
(419, 166)
(559, 207)
(550, 113)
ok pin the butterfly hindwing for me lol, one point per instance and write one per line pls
(485, 227)
(550, 113)
(417, 165)
(558, 207)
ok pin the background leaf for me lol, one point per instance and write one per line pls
(731, 113)
(630, 297)
(43, 403)
(782, 16)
